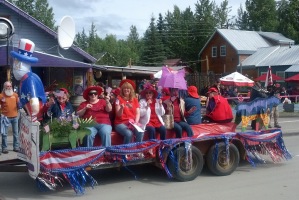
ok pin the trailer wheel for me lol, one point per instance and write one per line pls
(223, 166)
(183, 170)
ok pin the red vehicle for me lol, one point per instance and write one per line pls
(216, 145)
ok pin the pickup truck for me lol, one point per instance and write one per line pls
(217, 146)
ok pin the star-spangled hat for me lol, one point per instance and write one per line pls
(24, 54)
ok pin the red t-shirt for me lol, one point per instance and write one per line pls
(97, 111)
(129, 111)
(176, 111)
(154, 120)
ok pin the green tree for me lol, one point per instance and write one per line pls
(242, 20)
(82, 40)
(26, 5)
(262, 15)
(163, 33)
(205, 23)
(153, 52)
(39, 9)
(93, 41)
(44, 13)
(221, 14)
(289, 19)
(134, 45)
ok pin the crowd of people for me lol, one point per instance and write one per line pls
(122, 110)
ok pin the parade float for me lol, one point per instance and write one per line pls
(54, 154)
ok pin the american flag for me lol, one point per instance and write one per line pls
(68, 160)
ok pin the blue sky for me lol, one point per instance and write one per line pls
(116, 16)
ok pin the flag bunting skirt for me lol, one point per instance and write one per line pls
(70, 165)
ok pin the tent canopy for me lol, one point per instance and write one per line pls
(263, 78)
(236, 79)
(294, 78)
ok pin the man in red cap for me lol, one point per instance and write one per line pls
(218, 108)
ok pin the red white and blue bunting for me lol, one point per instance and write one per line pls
(70, 164)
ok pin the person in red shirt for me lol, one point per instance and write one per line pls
(218, 109)
(127, 112)
(99, 110)
(151, 111)
(176, 106)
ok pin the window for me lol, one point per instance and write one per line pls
(214, 51)
(280, 74)
(223, 50)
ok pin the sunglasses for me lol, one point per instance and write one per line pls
(92, 93)
(149, 93)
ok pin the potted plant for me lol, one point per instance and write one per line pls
(60, 131)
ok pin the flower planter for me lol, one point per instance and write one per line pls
(74, 136)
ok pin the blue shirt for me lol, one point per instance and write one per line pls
(31, 87)
(195, 116)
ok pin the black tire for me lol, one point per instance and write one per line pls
(221, 167)
(181, 172)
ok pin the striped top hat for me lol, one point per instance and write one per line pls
(24, 54)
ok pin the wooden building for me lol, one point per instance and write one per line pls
(226, 49)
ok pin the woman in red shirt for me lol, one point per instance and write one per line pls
(127, 112)
(176, 105)
(99, 110)
(151, 111)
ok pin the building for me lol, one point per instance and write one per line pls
(64, 67)
(284, 61)
(227, 48)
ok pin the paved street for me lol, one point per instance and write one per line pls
(275, 181)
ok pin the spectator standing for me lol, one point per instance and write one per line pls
(99, 110)
(274, 90)
(127, 111)
(151, 111)
(234, 93)
(193, 106)
(9, 107)
(283, 93)
(217, 85)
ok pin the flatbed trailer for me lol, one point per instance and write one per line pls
(216, 145)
